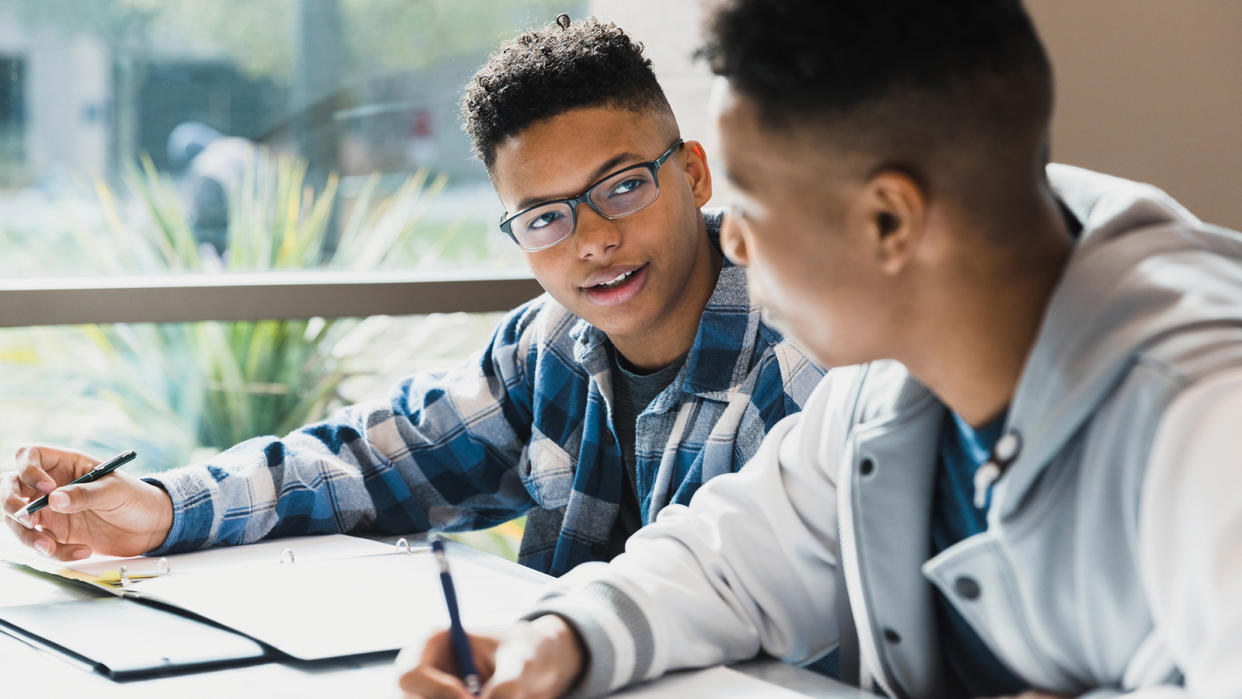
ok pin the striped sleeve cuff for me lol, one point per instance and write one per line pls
(619, 641)
(193, 510)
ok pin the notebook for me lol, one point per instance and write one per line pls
(311, 597)
(125, 639)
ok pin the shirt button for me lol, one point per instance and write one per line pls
(609, 439)
(966, 587)
(867, 467)
(892, 636)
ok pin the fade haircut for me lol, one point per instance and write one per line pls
(936, 89)
(549, 71)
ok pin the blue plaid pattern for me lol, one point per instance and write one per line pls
(524, 426)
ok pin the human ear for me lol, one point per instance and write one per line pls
(894, 209)
(697, 173)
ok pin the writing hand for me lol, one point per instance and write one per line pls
(532, 659)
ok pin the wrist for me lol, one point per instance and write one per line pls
(570, 651)
(164, 516)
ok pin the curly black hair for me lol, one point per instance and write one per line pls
(549, 71)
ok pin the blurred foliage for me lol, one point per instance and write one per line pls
(187, 387)
(178, 392)
(378, 35)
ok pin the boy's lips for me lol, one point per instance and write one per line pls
(609, 274)
(615, 285)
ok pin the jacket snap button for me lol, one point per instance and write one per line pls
(966, 587)
(867, 467)
(1008, 446)
(892, 636)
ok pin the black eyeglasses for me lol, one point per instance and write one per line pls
(624, 192)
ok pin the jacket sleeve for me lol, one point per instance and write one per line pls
(748, 565)
(1190, 543)
(443, 452)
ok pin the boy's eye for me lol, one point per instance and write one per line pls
(627, 186)
(547, 218)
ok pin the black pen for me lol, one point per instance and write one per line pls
(90, 476)
(457, 633)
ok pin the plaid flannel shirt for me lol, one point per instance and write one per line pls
(524, 426)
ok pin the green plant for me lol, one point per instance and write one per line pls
(183, 388)
(178, 392)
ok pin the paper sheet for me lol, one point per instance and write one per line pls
(716, 682)
(326, 608)
(105, 570)
(333, 595)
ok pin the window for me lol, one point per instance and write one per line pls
(12, 120)
(212, 118)
(167, 168)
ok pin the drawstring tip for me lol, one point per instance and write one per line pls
(984, 478)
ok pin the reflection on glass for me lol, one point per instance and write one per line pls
(182, 114)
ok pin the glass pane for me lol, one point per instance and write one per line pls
(145, 137)
(180, 392)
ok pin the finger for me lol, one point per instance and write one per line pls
(107, 494)
(504, 689)
(484, 650)
(37, 540)
(59, 465)
(33, 481)
(13, 501)
(433, 683)
(71, 552)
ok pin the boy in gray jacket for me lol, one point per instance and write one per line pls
(1024, 486)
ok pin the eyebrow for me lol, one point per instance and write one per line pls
(605, 168)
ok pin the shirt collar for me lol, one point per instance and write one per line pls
(727, 333)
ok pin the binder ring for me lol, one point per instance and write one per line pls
(124, 577)
(286, 556)
(403, 545)
(164, 567)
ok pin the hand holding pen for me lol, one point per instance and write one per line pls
(539, 658)
(71, 515)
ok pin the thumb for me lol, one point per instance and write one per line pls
(107, 494)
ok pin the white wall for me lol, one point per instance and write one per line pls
(1146, 89)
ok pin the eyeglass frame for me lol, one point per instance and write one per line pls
(652, 166)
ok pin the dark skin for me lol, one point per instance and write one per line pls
(562, 156)
(861, 263)
(125, 516)
(856, 267)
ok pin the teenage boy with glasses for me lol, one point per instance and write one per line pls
(641, 373)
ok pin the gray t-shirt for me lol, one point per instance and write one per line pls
(632, 392)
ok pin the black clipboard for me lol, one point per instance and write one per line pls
(126, 639)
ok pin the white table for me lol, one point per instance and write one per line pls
(29, 671)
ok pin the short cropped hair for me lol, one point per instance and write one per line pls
(943, 88)
(549, 71)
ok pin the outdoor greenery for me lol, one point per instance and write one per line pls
(178, 392)
(206, 386)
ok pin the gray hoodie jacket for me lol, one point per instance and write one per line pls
(1113, 557)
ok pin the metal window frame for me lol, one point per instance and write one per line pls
(257, 296)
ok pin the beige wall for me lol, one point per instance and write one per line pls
(1152, 90)
(1146, 89)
